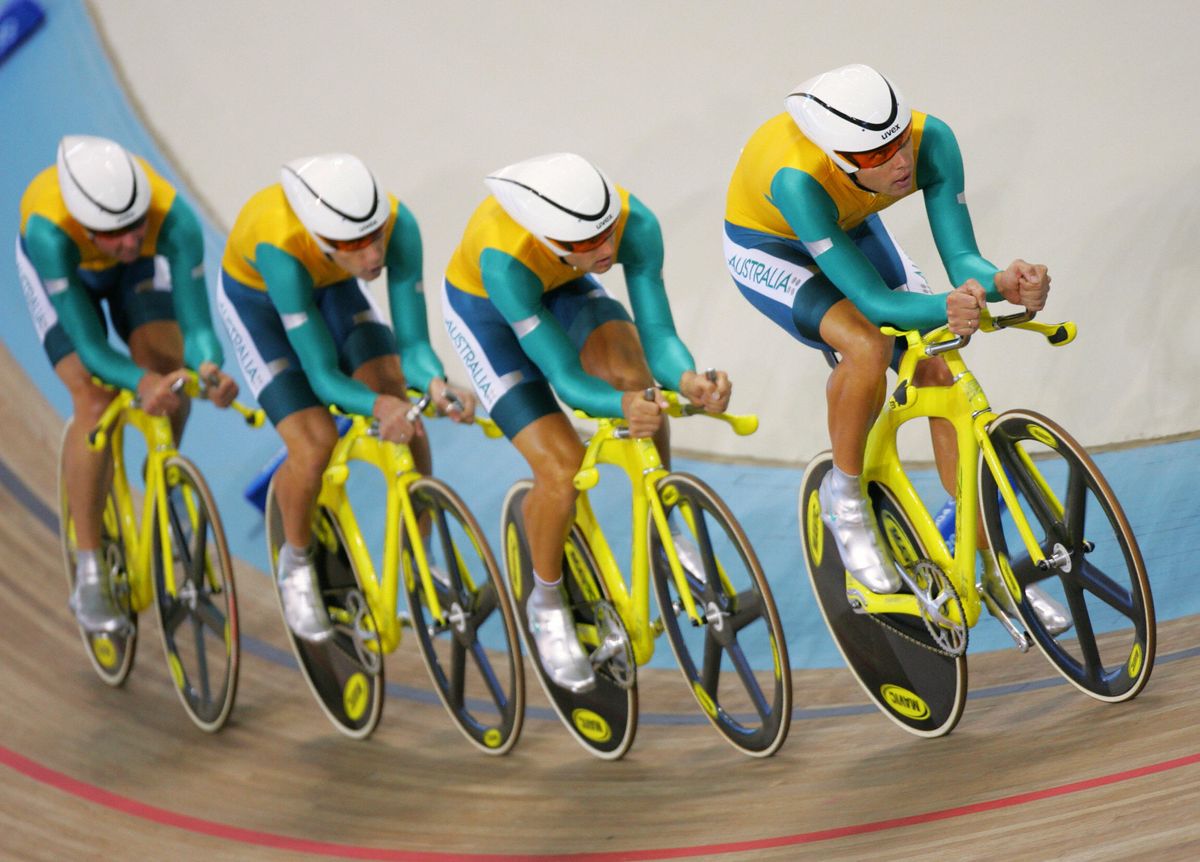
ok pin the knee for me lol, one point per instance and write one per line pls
(309, 453)
(868, 350)
(89, 403)
(553, 477)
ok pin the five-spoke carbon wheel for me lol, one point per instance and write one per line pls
(1094, 568)
(195, 598)
(732, 654)
(472, 650)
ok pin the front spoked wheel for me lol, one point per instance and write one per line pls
(733, 654)
(196, 600)
(110, 653)
(344, 672)
(472, 651)
(1095, 569)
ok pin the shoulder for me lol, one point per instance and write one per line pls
(267, 218)
(42, 197)
(49, 246)
(162, 192)
(491, 227)
(937, 138)
(641, 223)
(403, 219)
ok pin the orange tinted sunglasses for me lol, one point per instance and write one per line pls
(880, 155)
(354, 244)
(582, 246)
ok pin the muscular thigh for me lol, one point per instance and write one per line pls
(157, 346)
(613, 352)
(383, 374)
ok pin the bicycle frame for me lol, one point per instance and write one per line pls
(138, 539)
(640, 460)
(395, 462)
(963, 404)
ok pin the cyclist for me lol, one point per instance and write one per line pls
(806, 247)
(529, 319)
(101, 226)
(293, 294)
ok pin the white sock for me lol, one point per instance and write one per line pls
(290, 556)
(844, 485)
(547, 586)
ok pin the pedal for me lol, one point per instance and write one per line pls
(857, 601)
(1021, 638)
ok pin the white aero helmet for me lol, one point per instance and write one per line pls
(335, 196)
(103, 186)
(852, 109)
(562, 199)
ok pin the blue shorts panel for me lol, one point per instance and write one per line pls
(794, 292)
(269, 363)
(509, 384)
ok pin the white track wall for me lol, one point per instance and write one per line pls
(1077, 121)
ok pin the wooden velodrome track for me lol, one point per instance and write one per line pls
(1041, 772)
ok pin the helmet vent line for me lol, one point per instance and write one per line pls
(584, 216)
(323, 202)
(99, 205)
(874, 127)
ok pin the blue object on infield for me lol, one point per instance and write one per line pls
(944, 521)
(18, 20)
(256, 491)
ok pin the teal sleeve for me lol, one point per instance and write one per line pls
(291, 290)
(940, 176)
(181, 241)
(56, 258)
(812, 214)
(517, 293)
(407, 300)
(641, 254)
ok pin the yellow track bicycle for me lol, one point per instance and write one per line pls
(1049, 516)
(170, 552)
(716, 608)
(433, 550)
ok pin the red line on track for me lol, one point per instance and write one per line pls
(92, 793)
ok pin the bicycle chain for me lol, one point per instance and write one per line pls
(906, 636)
(903, 633)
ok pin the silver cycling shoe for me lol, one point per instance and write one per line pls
(92, 602)
(689, 555)
(1050, 613)
(558, 648)
(852, 523)
(303, 608)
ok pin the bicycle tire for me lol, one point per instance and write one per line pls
(918, 688)
(110, 654)
(1109, 651)
(349, 690)
(603, 720)
(474, 660)
(751, 710)
(197, 606)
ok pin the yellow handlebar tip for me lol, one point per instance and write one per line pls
(744, 425)
(586, 479)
